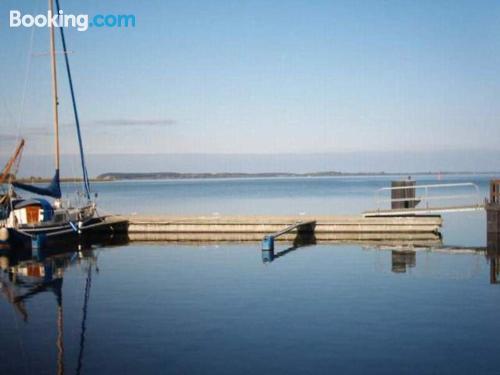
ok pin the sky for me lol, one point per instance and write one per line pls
(264, 77)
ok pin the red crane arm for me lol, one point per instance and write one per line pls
(17, 154)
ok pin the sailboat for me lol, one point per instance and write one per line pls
(38, 221)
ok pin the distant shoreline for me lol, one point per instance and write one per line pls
(114, 176)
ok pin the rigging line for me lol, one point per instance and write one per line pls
(75, 111)
(88, 284)
(20, 122)
(9, 113)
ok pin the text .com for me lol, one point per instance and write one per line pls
(81, 22)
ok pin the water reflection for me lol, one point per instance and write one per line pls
(401, 260)
(404, 254)
(24, 275)
(173, 329)
(302, 239)
(493, 254)
(23, 279)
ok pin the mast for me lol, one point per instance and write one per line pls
(86, 182)
(54, 188)
(54, 87)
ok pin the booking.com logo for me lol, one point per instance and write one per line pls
(81, 22)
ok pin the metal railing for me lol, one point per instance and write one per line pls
(422, 194)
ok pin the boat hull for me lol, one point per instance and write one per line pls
(61, 236)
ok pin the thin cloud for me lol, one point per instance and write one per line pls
(137, 122)
(7, 138)
(8, 142)
(28, 132)
(37, 131)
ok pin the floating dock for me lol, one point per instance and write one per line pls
(254, 228)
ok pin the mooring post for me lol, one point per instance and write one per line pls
(495, 192)
(493, 217)
(268, 243)
(403, 194)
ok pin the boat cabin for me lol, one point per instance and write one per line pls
(32, 211)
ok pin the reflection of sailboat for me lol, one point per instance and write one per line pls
(23, 278)
(26, 279)
(39, 219)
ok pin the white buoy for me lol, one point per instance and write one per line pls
(4, 234)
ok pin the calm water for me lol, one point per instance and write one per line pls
(278, 196)
(159, 308)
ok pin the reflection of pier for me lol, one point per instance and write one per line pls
(403, 259)
(494, 267)
(403, 254)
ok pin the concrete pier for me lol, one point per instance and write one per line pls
(253, 228)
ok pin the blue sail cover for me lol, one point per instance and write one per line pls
(53, 190)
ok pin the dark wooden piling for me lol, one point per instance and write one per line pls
(493, 217)
(403, 194)
(493, 231)
(495, 192)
